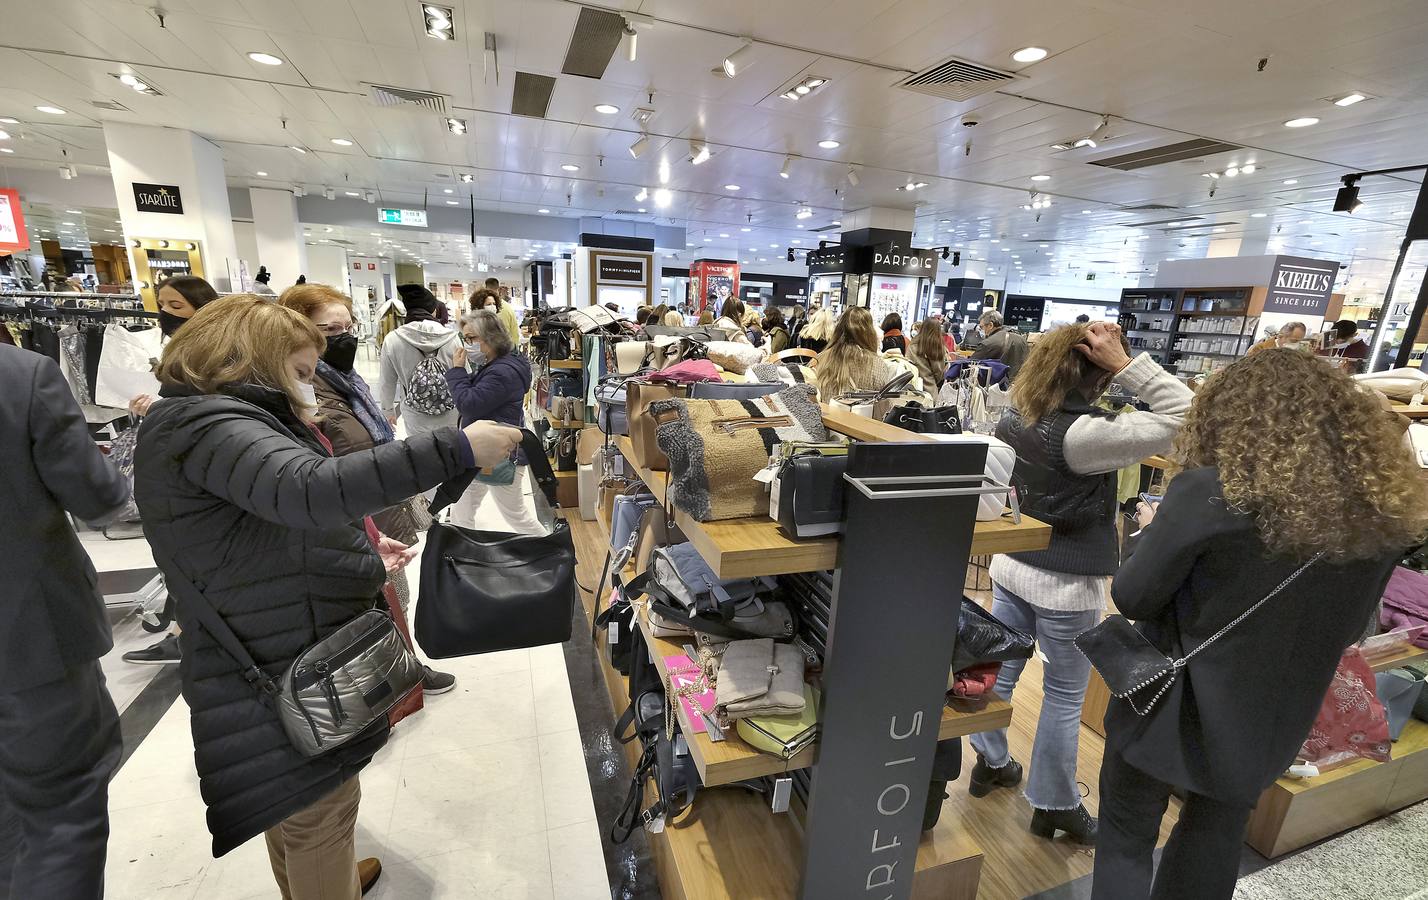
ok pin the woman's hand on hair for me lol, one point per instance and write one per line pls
(1103, 347)
(491, 442)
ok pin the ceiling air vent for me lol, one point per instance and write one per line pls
(112, 105)
(958, 80)
(1177, 220)
(1159, 156)
(403, 97)
(532, 95)
(593, 42)
(1152, 206)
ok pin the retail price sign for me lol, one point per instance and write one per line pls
(414, 218)
(158, 198)
(1300, 286)
(12, 222)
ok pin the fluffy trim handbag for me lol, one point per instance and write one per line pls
(483, 591)
(716, 447)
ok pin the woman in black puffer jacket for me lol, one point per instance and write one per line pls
(239, 496)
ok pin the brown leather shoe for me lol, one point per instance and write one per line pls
(368, 871)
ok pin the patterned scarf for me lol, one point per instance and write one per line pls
(359, 397)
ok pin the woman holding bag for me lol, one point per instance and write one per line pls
(495, 391)
(240, 499)
(1286, 465)
(351, 421)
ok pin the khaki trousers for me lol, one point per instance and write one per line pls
(313, 851)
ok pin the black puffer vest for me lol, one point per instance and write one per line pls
(1081, 509)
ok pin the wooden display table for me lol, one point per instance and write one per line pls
(566, 363)
(1412, 412)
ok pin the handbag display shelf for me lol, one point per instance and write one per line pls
(692, 857)
(745, 548)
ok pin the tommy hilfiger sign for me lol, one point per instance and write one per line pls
(1302, 286)
(158, 198)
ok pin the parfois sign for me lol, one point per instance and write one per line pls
(158, 198)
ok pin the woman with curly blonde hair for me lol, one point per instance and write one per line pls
(1284, 462)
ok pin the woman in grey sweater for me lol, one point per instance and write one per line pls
(1068, 454)
(421, 338)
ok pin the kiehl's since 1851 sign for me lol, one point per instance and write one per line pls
(158, 198)
(1302, 286)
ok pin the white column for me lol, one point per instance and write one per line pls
(327, 264)
(279, 237)
(150, 154)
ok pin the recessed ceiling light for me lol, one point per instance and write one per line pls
(453, 202)
(829, 145)
(9, 121)
(542, 210)
(608, 109)
(798, 240)
(1302, 122)
(1218, 230)
(1291, 181)
(1029, 55)
(266, 59)
(1258, 215)
(641, 209)
(52, 110)
(746, 228)
(342, 142)
(731, 187)
(1350, 99)
(835, 222)
(570, 167)
(297, 148)
(1041, 178)
(353, 193)
(261, 174)
(1247, 169)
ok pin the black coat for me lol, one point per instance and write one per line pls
(52, 617)
(1241, 709)
(238, 495)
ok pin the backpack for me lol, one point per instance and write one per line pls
(427, 392)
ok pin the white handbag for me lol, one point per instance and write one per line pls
(1001, 459)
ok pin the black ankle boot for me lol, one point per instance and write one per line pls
(985, 778)
(1078, 824)
(936, 793)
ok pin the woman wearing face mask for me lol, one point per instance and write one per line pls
(179, 298)
(240, 498)
(495, 390)
(1068, 453)
(351, 420)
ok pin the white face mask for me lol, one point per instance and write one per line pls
(307, 392)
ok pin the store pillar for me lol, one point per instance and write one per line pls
(279, 235)
(172, 193)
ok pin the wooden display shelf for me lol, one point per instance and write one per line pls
(560, 423)
(731, 760)
(1412, 412)
(729, 846)
(567, 364)
(746, 548)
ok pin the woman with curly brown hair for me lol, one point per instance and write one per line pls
(1284, 462)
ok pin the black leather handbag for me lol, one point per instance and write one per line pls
(916, 417)
(983, 638)
(565, 450)
(806, 498)
(483, 591)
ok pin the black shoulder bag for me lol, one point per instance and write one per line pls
(483, 591)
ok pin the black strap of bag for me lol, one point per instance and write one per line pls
(213, 623)
(662, 602)
(449, 492)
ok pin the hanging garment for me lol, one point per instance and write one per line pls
(72, 351)
(93, 347)
(126, 365)
(46, 340)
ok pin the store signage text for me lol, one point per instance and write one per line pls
(827, 261)
(896, 261)
(158, 198)
(892, 800)
(619, 270)
(1302, 286)
(414, 218)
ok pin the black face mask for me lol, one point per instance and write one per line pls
(341, 351)
(169, 323)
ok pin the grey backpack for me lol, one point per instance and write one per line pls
(427, 392)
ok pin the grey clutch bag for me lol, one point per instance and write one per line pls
(759, 678)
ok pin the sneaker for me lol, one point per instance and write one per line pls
(1078, 824)
(434, 682)
(368, 871)
(164, 653)
(986, 778)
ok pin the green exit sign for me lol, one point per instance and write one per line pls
(415, 218)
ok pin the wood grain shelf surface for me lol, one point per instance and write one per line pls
(1412, 412)
(731, 760)
(746, 548)
(566, 364)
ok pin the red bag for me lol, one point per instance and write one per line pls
(1352, 721)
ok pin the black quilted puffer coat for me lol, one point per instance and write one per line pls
(238, 495)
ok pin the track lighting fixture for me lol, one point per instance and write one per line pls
(632, 46)
(804, 212)
(790, 254)
(803, 87)
(662, 197)
(370, 196)
(466, 178)
(456, 126)
(329, 194)
(1347, 200)
(787, 165)
(638, 148)
(698, 151)
(739, 60)
(1091, 140)
(956, 258)
(946, 253)
(642, 196)
(852, 176)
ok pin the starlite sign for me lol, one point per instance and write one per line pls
(158, 198)
(1301, 286)
(415, 218)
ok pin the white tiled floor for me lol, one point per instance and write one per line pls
(483, 794)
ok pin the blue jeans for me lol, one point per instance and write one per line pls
(1051, 782)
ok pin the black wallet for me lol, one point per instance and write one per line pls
(807, 496)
